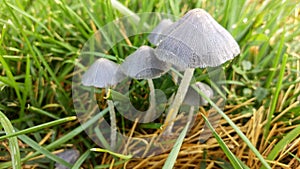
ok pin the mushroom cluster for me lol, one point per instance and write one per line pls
(194, 41)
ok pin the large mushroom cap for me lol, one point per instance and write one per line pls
(156, 35)
(143, 64)
(102, 73)
(197, 40)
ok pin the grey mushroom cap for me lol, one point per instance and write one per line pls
(197, 40)
(156, 35)
(103, 73)
(143, 64)
(178, 68)
(69, 156)
(193, 98)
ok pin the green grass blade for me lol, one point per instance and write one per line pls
(232, 158)
(43, 112)
(13, 142)
(125, 157)
(175, 150)
(235, 127)
(286, 140)
(11, 78)
(56, 31)
(295, 156)
(275, 97)
(31, 17)
(62, 96)
(97, 22)
(48, 68)
(22, 33)
(3, 32)
(27, 82)
(64, 138)
(109, 165)
(81, 159)
(72, 134)
(42, 150)
(74, 16)
(124, 10)
(276, 61)
(101, 138)
(39, 127)
(174, 5)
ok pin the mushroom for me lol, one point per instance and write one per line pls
(193, 99)
(69, 155)
(143, 64)
(196, 40)
(156, 35)
(104, 74)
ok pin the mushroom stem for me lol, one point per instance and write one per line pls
(191, 113)
(174, 77)
(151, 111)
(183, 87)
(112, 115)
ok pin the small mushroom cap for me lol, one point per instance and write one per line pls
(143, 64)
(156, 35)
(197, 40)
(193, 98)
(69, 156)
(103, 73)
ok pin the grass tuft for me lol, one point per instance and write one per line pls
(40, 44)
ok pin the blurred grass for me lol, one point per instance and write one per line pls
(13, 142)
(41, 40)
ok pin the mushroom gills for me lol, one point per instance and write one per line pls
(155, 73)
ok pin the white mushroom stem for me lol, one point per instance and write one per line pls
(174, 77)
(181, 92)
(112, 115)
(175, 74)
(191, 113)
(151, 111)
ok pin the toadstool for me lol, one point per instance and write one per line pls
(104, 74)
(156, 35)
(143, 64)
(194, 41)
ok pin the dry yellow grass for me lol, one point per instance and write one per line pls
(192, 152)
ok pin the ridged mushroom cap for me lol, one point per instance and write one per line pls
(103, 73)
(197, 40)
(143, 64)
(156, 35)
